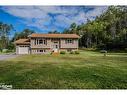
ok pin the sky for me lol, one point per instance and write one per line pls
(43, 19)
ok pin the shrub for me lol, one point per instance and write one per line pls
(72, 52)
(77, 52)
(51, 52)
(4, 50)
(62, 52)
(7, 51)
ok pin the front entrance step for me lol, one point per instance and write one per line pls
(55, 53)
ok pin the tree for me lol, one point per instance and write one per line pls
(24, 34)
(109, 30)
(27, 32)
(4, 34)
(65, 31)
(53, 32)
(73, 28)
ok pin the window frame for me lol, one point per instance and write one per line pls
(42, 41)
(42, 50)
(69, 41)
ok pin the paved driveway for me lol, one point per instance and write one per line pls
(7, 56)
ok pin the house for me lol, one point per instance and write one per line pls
(46, 43)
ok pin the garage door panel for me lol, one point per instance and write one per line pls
(23, 50)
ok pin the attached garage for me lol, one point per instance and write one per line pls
(22, 50)
(22, 46)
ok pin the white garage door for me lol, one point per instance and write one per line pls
(23, 50)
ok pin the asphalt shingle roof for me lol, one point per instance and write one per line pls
(55, 35)
(22, 41)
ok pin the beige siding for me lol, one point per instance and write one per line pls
(48, 45)
(69, 45)
(37, 51)
(68, 49)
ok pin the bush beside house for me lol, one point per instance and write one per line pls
(62, 52)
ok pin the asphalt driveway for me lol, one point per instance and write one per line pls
(7, 56)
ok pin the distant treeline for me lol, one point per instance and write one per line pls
(108, 31)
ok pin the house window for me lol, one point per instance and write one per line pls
(68, 41)
(56, 46)
(44, 41)
(55, 42)
(35, 42)
(23, 46)
(42, 50)
(41, 41)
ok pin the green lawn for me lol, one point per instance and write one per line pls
(88, 70)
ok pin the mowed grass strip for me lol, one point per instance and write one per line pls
(87, 70)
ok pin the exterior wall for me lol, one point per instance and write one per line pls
(32, 43)
(73, 45)
(62, 45)
(17, 49)
(37, 51)
(50, 43)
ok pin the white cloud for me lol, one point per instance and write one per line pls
(65, 21)
(38, 16)
(25, 12)
(97, 11)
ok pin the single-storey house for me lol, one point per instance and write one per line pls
(46, 43)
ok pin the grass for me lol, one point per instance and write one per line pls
(1, 52)
(87, 70)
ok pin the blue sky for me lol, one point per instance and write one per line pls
(47, 18)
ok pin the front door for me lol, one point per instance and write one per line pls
(55, 46)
